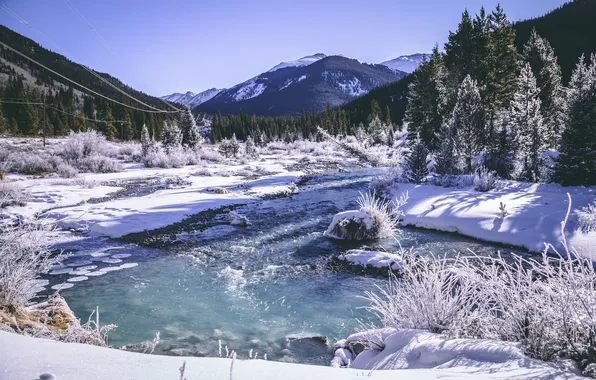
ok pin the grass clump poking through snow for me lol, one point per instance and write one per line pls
(376, 218)
(587, 218)
(548, 304)
(11, 194)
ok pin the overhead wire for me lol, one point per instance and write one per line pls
(26, 23)
(24, 102)
(104, 42)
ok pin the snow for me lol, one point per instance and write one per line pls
(419, 355)
(249, 90)
(406, 63)
(417, 351)
(359, 216)
(191, 99)
(375, 259)
(352, 87)
(535, 212)
(290, 82)
(304, 61)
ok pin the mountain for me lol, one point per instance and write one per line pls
(190, 98)
(570, 29)
(304, 61)
(407, 63)
(309, 83)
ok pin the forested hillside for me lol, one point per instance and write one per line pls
(25, 87)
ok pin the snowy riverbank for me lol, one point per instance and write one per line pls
(422, 356)
(534, 213)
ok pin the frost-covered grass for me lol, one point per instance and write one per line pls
(11, 194)
(587, 218)
(24, 254)
(548, 303)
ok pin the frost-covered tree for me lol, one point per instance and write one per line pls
(468, 124)
(417, 161)
(229, 148)
(361, 135)
(378, 131)
(427, 100)
(145, 140)
(541, 57)
(250, 149)
(577, 163)
(190, 131)
(526, 123)
(171, 136)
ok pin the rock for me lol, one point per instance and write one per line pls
(314, 349)
(357, 348)
(47, 376)
(221, 190)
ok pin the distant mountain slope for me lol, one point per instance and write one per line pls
(570, 29)
(288, 90)
(407, 63)
(304, 61)
(190, 98)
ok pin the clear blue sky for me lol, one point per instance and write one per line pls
(170, 46)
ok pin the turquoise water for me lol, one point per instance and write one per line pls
(249, 287)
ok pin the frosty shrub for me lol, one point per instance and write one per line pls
(11, 194)
(211, 155)
(358, 150)
(64, 170)
(382, 184)
(547, 303)
(24, 254)
(587, 218)
(484, 180)
(130, 151)
(250, 149)
(171, 135)
(34, 163)
(176, 157)
(229, 148)
(84, 144)
(450, 180)
(99, 164)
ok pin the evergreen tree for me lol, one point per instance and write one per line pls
(190, 131)
(541, 57)
(171, 136)
(445, 157)
(526, 124)
(577, 163)
(145, 140)
(378, 131)
(250, 149)
(417, 161)
(427, 101)
(127, 130)
(468, 124)
(106, 127)
(2, 121)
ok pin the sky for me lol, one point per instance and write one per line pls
(166, 46)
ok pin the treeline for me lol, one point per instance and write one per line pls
(65, 107)
(481, 103)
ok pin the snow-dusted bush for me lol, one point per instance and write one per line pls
(484, 180)
(11, 194)
(382, 184)
(65, 170)
(84, 144)
(98, 164)
(34, 163)
(158, 157)
(211, 155)
(250, 149)
(375, 219)
(130, 151)
(24, 254)
(450, 180)
(229, 147)
(171, 135)
(587, 218)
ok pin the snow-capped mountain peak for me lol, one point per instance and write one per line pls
(190, 98)
(304, 61)
(407, 63)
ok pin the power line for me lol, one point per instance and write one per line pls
(80, 85)
(104, 42)
(24, 102)
(23, 21)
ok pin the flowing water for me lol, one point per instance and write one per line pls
(248, 287)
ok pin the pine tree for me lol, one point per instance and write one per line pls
(530, 133)
(250, 149)
(445, 156)
(417, 161)
(576, 164)
(171, 136)
(468, 124)
(378, 131)
(106, 127)
(190, 131)
(427, 101)
(541, 57)
(145, 140)
(2, 121)
(127, 130)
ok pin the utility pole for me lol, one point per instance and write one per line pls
(44, 119)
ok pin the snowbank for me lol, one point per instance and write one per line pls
(375, 259)
(462, 358)
(419, 354)
(535, 212)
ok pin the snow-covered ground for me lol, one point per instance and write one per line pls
(534, 213)
(417, 355)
